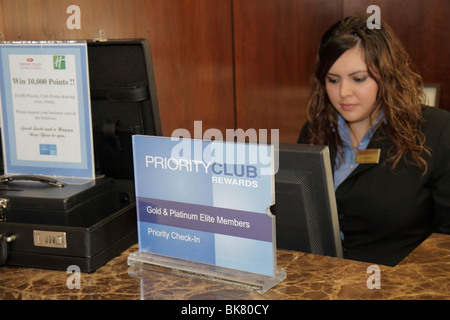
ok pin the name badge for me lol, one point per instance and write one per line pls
(368, 156)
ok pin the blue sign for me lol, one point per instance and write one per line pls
(206, 202)
(46, 111)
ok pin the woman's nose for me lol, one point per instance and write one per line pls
(345, 89)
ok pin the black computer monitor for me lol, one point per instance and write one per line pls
(305, 204)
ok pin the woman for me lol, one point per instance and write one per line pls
(390, 154)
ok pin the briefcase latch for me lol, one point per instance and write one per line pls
(49, 239)
(3, 205)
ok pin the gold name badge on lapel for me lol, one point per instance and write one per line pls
(368, 156)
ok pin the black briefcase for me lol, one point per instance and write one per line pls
(47, 225)
(35, 199)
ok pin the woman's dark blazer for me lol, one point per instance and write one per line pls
(384, 215)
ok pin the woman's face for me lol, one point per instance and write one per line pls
(352, 91)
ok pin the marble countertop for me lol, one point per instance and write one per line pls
(424, 274)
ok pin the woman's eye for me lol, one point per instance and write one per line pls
(332, 80)
(359, 79)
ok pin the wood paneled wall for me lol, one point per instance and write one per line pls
(191, 44)
(234, 63)
(275, 48)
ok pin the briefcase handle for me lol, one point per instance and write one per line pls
(31, 177)
(4, 250)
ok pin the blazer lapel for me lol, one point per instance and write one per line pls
(375, 143)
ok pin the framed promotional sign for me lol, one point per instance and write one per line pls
(46, 115)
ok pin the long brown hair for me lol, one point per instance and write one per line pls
(399, 95)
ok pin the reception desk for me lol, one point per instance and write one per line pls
(424, 274)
